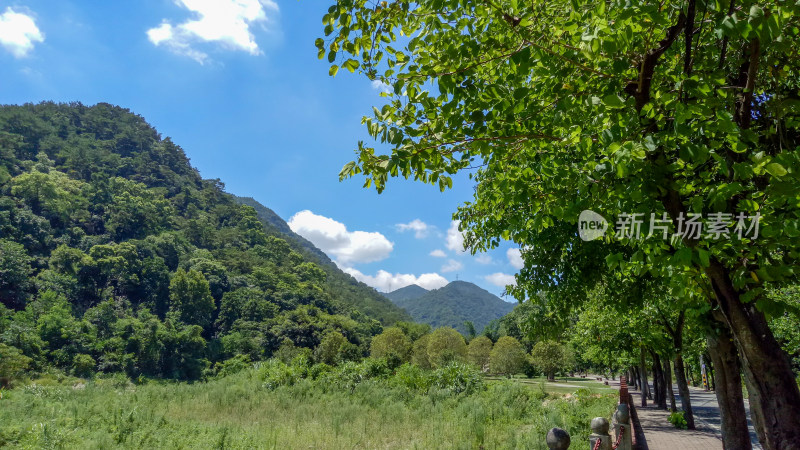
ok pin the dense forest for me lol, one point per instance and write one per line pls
(116, 256)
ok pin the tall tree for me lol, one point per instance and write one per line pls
(670, 109)
(190, 297)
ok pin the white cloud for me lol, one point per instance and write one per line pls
(455, 238)
(419, 228)
(388, 282)
(380, 86)
(501, 279)
(483, 258)
(345, 246)
(227, 22)
(515, 258)
(451, 266)
(18, 32)
(438, 254)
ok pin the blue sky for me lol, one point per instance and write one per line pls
(237, 84)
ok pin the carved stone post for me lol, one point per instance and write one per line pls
(622, 423)
(557, 439)
(600, 433)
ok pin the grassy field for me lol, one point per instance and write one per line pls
(239, 412)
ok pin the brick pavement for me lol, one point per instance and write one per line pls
(662, 435)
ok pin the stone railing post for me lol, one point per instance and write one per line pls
(557, 439)
(600, 433)
(622, 424)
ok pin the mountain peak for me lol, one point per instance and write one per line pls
(451, 305)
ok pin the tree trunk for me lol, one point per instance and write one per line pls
(683, 390)
(661, 390)
(710, 368)
(773, 391)
(728, 387)
(668, 381)
(643, 377)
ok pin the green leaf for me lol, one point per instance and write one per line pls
(704, 257)
(613, 101)
(776, 170)
(351, 65)
(333, 70)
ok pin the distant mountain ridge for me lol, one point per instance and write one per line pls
(451, 305)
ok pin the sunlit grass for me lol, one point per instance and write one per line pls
(238, 412)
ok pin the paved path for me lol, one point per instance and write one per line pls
(662, 435)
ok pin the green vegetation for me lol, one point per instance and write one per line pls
(452, 305)
(650, 114)
(115, 256)
(296, 406)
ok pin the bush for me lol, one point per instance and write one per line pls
(232, 365)
(83, 365)
(412, 378)
(275, 373)
(678, 421)
(458, 378)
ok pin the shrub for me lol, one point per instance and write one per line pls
(678, 421)
(275, 373)
(458, 378)
(232, 365)
(83, 365)
(412, 378)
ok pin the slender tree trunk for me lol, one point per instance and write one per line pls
(710, 369)
(773, 391)
(658, 374)
(656, 385)
(643, 376)
(683, 390)
(668, 380)
(728, 388)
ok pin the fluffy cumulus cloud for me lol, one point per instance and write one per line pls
(451, 266)
(332, 237)
(18, 32)
(388, 282)
(501, 279)
(515, 258)
(419, 228)
(455, 238)
(227, 22)
(483, 258)
(438, 254)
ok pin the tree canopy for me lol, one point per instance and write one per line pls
(652, 115)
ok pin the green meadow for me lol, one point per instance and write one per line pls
(276, 406)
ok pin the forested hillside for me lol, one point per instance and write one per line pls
(452, 305)
(116, 256)
(353, 292)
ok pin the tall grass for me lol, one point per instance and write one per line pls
(242, 411)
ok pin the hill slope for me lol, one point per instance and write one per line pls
(349, 290)
(116, 256)
(452, 305)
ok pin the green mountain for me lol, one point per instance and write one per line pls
(451, 305)
(116, 256)
(406, 293)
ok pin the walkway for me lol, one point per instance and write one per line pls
(662, 435)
